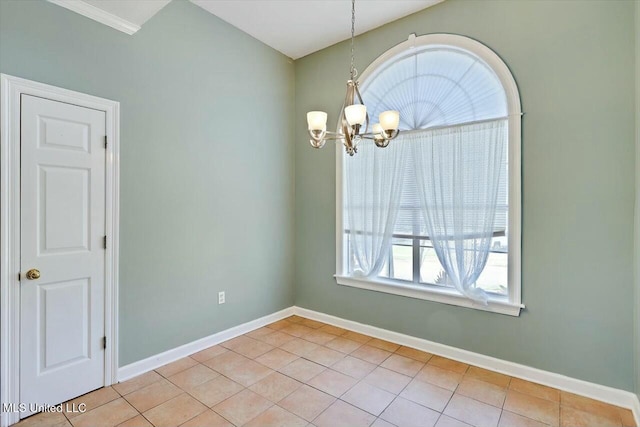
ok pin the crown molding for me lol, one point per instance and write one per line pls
(99, 15)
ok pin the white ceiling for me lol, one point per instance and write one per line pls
(300, 27)
(293, 27)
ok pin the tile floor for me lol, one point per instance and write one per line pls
(299, 372)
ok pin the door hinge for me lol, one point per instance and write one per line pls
(19, 277)
(104, 242)
(105, 142)
(104, 342)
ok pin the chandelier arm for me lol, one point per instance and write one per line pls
(336, 137)
(357, 93)
(344, 125)
(372, 136)
(334, 134)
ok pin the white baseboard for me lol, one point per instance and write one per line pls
(606, 394)
(153, 362)
(636, 410)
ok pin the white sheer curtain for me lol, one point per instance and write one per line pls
(458, 172)
(374, 185)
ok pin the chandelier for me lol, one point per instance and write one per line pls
(354, 119)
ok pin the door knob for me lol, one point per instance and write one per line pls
(33, 274)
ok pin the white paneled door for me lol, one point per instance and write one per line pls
(62, 286)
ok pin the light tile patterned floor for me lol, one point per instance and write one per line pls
(299, 372)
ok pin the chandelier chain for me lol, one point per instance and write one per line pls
(353, 26)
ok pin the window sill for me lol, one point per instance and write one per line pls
(438, 295)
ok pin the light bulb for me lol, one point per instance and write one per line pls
(355, 114)
(317, 120)
(390, 120)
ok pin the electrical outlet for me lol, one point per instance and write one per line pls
(221, 298)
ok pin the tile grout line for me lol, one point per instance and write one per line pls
(99, 406)
(300, 321)
(453, 392)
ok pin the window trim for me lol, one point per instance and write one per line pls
(513, 303)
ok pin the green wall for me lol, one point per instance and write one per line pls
(636, 340)
(205, 208)
(206, 161)
(574, 64)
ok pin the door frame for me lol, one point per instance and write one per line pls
(11, 89)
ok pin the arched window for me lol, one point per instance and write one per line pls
(436, 215)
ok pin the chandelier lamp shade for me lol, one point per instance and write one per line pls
(353, 123)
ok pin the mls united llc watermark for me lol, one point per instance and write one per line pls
(38, 407)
